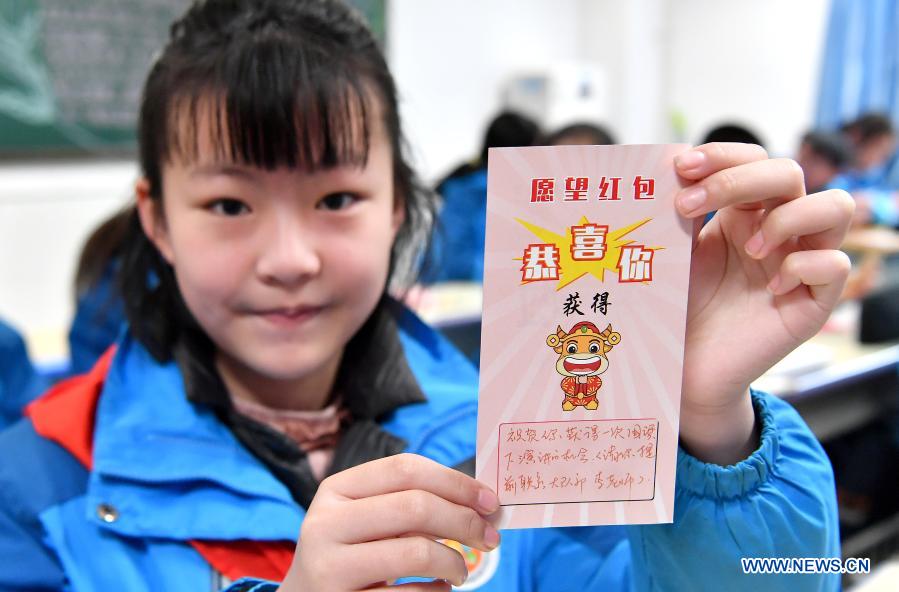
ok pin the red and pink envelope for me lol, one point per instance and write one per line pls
(586, 276)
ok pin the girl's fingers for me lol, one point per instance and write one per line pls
(763, 183)
(414, 511)
(824, 272)
(821, 219)
(391, 559)
(700, 162)
(411, 471)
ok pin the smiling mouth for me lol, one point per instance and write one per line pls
(291, 315)
(582, 365)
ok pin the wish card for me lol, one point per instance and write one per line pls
(586, 274)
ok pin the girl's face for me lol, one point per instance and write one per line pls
(875, 152)
(282, 267)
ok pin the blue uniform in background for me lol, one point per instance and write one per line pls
(457, 247)
(884, 207)
(99, 318)
(19, 383)
(166, 470)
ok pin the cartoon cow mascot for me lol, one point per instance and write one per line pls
(582, 358)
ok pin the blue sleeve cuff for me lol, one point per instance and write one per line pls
(251, 585)
(715, 481)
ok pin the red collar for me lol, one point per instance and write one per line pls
(65, 415)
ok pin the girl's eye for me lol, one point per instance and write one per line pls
(229, 207)
(337, 201)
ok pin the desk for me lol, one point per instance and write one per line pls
(873, 239)
(884, 579)
(850, 385)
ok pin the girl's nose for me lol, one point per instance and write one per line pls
(289, 254)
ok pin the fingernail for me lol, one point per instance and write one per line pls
(691, 199)
(491, 537)
(754, 245)
(487, 501)
(774, 284)
(689, 160)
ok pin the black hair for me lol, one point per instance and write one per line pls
(102, 247)
(509, 129)
(832, 147)
(731, 132)
(598, 135)
(868, 127)
(282, 83)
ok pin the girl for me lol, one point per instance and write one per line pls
(265, 365)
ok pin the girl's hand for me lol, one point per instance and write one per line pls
(379, 521)
(766, 274)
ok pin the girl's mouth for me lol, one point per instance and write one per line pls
(582, 365)
(289, 316)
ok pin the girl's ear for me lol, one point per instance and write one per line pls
(152, 219)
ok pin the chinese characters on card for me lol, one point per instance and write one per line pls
(585, 296)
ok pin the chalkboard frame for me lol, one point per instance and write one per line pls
(38, 120)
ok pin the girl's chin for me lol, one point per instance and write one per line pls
(286, 368)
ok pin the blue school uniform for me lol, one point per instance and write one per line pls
(19, 382)
(456, 252)
(166, 470)
(884, 209)
(99, 319)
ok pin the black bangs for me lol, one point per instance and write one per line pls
(263, 104)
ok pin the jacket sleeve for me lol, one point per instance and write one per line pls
(252, 585)
(779, 502)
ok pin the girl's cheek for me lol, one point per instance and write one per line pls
(210, 269)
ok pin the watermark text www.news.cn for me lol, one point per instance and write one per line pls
(805, 565)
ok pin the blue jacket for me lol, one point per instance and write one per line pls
(19, 383)
(99, 318)
(456, 252)
(873, 183)
(166, 471)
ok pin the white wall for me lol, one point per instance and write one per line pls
(628, 40)
(708, 59)
(756, 62)
(46, 213)
(450, 60)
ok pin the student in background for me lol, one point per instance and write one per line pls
(19, 382)
(508, 128)
(873, 139)
(268, 382)
(580, 134)
(99, 316)
(732, 132)
(456, 252)
(823, 156)
(98, 320)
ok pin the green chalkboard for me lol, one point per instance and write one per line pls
(71, 71)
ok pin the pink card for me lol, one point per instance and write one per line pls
(586, 273)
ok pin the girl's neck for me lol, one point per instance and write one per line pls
(309, 393)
